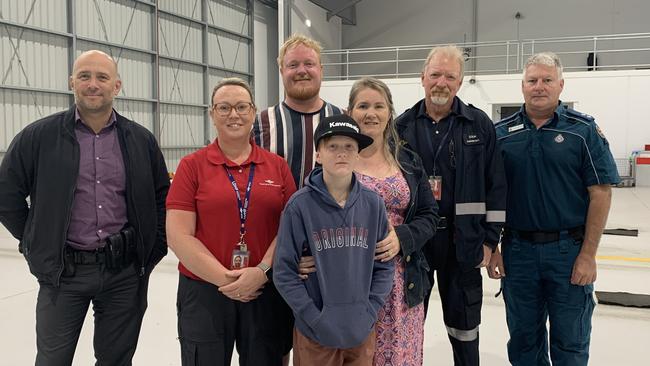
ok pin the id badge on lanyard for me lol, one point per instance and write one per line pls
(436, 186)
(435, 181)
(241, 255)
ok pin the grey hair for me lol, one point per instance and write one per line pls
(449, 51)
(547, 59)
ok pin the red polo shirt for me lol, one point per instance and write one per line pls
(201, 185)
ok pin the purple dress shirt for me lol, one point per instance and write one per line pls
(99, 205)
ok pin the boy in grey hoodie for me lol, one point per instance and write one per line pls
(338, 221)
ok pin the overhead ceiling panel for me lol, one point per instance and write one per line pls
(344, 9)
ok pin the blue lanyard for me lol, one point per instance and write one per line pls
(243, 206)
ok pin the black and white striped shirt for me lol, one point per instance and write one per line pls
(290, 134)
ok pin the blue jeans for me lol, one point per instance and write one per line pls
(538, 287)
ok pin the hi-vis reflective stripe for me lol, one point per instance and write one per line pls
(463, 335)
(470, 208)
(495, 216)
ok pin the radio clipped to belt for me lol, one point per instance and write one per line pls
(120, 249)
(118, 253)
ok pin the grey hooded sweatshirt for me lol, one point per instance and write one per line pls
(336, 306)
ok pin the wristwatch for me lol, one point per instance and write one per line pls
(265, 268)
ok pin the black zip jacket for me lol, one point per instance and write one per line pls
(480, 181)
(418, 227)
(42, 163)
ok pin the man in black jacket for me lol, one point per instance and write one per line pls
(95, 224)
(457, 145)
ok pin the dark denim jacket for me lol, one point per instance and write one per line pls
(419, 226)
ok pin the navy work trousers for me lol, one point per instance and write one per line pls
(538, 287)
(210, 325)
(461, 296)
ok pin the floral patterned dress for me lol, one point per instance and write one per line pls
(400, 329)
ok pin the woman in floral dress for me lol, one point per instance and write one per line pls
(397, 175)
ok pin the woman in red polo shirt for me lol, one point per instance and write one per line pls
(223, 211)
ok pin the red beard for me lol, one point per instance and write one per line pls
(302, 93)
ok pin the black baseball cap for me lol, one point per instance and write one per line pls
(341, 125)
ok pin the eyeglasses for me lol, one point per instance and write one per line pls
(224, 109)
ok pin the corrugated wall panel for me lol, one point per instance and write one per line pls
(20, 108)
(229, 51)
(140, 112)
(180, 38)
(136, 71)
(229, 14)
(188, 8)
(48, 14)
(216, 75)
(181, 126)
(45, 60)
(41, 60)
(173, 157)
(181, 82)
(115, 21)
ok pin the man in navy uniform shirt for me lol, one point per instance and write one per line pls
(457, 143)
(559, 172)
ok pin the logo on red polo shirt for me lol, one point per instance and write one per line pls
(269, 182)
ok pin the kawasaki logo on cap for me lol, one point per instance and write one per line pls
(344, 124)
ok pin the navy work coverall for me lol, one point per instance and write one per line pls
(461, 148)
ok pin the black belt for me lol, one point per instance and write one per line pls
(577, 233)
(118, 250)
(97, 256)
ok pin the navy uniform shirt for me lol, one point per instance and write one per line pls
(431, 137)
(549, 169)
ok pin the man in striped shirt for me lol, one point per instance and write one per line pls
(287, 129)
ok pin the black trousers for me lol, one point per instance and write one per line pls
(119, 301)
(461, 295)
(211, 324)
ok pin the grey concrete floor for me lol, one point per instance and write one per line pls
(620, 335)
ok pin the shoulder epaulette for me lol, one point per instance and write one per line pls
(510, 120)
(576, 116)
